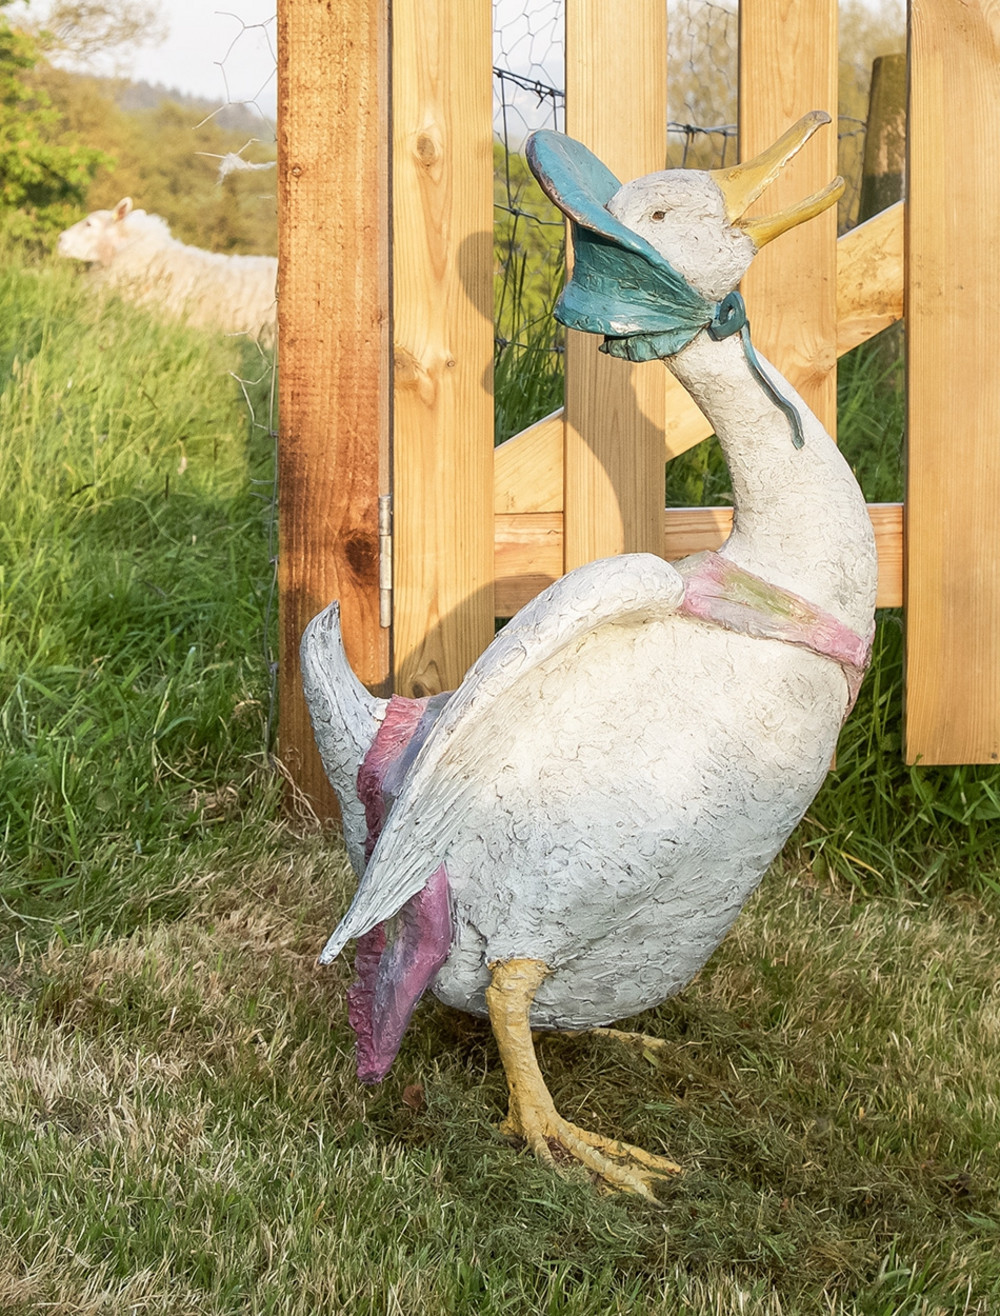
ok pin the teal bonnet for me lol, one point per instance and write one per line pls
(621, 286)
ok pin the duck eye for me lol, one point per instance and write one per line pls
(658, 214)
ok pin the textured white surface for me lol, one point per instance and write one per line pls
(345, 719)
(612, 778)
(690, 206)
(450, 769)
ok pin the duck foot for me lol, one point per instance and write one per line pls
(533, 1116)
(642, 1040)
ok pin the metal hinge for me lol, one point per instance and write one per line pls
(385, 560)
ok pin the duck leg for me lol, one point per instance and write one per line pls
(532, 1115)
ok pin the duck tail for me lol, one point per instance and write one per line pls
(345, 719)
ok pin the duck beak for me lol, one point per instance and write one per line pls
(743, 184)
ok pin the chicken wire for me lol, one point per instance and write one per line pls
(244, 86)
(528, 94)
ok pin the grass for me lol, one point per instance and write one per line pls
(181, 1130)
(133, 589)
(180, 1126)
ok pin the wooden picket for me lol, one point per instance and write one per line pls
(333, 331)
(442, 95)
(613, 443)
(788, 66)
(478, 532)
(953, 328)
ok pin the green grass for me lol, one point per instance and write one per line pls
(133, 586)
(181, 1130)
(889, 828)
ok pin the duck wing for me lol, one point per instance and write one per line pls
(625, 589)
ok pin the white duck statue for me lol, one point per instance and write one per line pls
(566, 838)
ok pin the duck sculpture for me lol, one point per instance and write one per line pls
(564, 840)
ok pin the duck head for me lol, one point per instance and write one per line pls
(696, 220)
(656, 258)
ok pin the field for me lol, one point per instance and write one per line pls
(180, 1127)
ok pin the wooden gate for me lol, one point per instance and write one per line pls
(386, 340)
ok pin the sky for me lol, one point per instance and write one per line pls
(225, 50)
(222, 51)
(204, 35)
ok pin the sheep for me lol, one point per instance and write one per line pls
(134, 253)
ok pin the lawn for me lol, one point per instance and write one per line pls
(180, 1126)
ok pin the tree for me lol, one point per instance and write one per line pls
(43, 180)
(87, 33)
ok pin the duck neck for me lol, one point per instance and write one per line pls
(800, 519)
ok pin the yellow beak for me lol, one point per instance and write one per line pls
(743, 183)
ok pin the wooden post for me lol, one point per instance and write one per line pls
(333, 318)
(788, 66)
(953, 426)
(616, 103)
(885, 138)
(443, 313)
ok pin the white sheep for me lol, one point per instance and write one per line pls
(134, 253)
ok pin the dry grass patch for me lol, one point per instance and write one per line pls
(181, 1128)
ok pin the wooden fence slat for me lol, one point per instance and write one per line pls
(529, 548)
(788, 66)
(529, 557)
(952, 332)
(870, 278)
(616, 103)
(528, 468)
(333, 337)
(443, 328)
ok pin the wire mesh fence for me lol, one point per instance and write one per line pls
(528, 82)
(528, 89)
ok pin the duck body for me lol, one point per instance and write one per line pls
(566, 838)
(615, 774)
(630, 875)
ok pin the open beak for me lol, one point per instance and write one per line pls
(743, 183)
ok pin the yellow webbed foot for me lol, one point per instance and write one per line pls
(533, 1116)
(619, 1165)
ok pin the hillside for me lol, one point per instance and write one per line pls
(166, 152)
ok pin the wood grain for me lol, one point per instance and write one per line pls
(529, 556)
(443, 329)
(788, 66)
(616, 103)
(953, 328)
(529, 548)
(333, 344)
(528, 468)
(870, 278)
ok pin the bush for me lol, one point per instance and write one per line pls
(43, 180)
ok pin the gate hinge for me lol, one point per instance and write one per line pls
(385, 560)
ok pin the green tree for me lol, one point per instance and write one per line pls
(43, 180)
